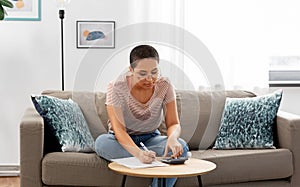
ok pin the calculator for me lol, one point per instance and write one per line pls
(170, 160)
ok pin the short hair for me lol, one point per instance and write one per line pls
(141, 52)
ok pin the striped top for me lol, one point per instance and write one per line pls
(140, 118)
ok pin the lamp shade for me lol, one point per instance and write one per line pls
(61, 4)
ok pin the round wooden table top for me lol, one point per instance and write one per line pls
(191, 167)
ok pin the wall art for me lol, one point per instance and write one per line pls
(24, 10)
(95, 34)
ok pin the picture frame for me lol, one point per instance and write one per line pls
(24, 10)
(95, 34)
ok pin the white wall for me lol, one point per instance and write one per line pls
(30, 60)
(29, 63)
(30, 51)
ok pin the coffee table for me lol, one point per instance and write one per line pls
(192, 167)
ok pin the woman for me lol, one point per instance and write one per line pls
(136, 103)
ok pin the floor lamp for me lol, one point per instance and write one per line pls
(61, 4)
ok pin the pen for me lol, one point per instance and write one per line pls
(144, 147)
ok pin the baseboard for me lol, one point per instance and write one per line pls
(9, 170)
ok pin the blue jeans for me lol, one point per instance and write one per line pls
(108, 147)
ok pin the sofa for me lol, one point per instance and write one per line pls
(200, 114)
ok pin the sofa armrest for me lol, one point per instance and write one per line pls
(288, 131)
(31, 148)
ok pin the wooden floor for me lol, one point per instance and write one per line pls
(9, 181)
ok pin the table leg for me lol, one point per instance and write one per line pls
(162, 182)
(124, 180)
(199, 180)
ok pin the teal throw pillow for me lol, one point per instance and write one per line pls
(66, 120)
(247, 123)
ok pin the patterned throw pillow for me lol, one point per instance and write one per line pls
(65, 118)
(248, 122)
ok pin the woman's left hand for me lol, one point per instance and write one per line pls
(175, 147)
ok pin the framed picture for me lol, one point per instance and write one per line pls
(24, 10)
(95, 34)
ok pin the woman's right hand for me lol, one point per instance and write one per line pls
(146, 157)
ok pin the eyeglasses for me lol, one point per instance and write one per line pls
(142, 74)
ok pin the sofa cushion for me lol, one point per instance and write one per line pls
(248, 122)
(82, 169)
(193, 182)
(92, 105)
(234, 166)
(67, 122)
(74, 169)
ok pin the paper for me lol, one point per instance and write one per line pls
(134, 163)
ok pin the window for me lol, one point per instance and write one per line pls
(284, 71)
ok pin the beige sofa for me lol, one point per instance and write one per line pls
(200, 114)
